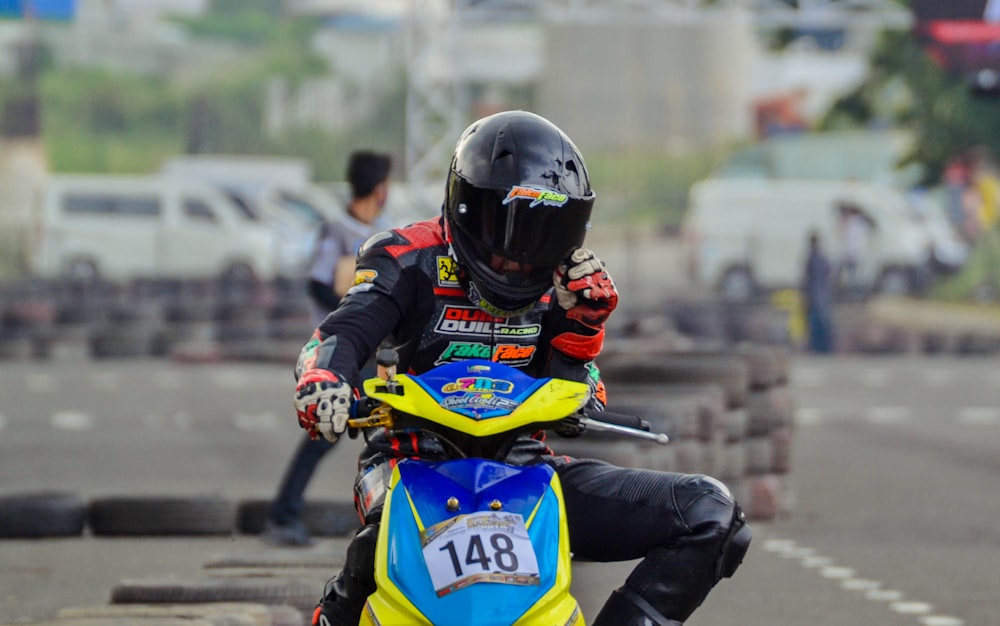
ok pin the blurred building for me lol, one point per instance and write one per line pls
(677, 83)
(667, 74)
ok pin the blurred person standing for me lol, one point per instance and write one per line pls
(368, 176)
(957, 177)
(855, 227)
(329, 277)
(986, 180)
(817, 291)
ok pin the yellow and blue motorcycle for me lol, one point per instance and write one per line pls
(474, 541)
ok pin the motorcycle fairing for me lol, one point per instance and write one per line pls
(481, 398)
(417, 499)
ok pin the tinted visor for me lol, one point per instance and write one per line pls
(527, 224)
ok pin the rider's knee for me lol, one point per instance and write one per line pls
(710, 511)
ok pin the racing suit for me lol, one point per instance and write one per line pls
(408, 294)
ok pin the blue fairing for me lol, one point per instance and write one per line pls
(475, 483)
(444, 385)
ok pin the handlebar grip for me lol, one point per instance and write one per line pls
(620, 419)
(362, 407)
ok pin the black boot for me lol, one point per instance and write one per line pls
(626, 608)
(345, 594)
(339, 606)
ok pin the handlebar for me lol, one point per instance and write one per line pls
(621, 424)
(619, 419)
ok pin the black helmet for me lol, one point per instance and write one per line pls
(519, 189)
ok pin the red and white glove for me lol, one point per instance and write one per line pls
(586, 292)
(323, 403)
(585, 289)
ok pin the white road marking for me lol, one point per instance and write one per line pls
(105, 381)
(894, 415)
(884, 595)
(836, 573)
(779, 545)
(168, 380)
(230, 379)
(872, 589)
(860, 584)
(256, 421)
(889, 414)
(798, 553)
(807, 415)
(808, 377)
(939, 377)
(941, 620)
(875, 377)
(979, 416)
(72, 420)
(911, 608)
(40, 382)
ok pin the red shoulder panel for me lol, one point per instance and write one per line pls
(418, 236)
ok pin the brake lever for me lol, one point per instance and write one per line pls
(600, 426)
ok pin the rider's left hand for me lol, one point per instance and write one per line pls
(585, 289)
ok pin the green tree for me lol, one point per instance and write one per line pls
(907, 90)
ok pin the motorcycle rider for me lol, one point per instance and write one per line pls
(502, 275)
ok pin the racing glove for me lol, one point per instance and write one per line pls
(584, 289)
(323, 402)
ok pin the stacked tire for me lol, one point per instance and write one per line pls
(728, 414)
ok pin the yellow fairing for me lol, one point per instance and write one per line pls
(551, 402)
(388, 606)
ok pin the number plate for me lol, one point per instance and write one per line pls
(479, 547)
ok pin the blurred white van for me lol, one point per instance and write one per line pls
(276, 189)
(126, 227)
(745, 235)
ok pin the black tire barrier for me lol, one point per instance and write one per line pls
(726, 370)
(152, 515)
(59, 514)
(678, 411)
(216, 613)
(323, 518)
(131, 621)
(768, 409)
(45, 514)
(277, 559)
(300, 593)
(767, 365)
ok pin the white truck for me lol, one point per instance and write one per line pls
(743, 236)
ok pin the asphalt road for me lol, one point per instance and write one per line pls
(893, 499)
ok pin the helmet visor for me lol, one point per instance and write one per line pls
(528, 224)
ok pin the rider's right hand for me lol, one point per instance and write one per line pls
(323, 402)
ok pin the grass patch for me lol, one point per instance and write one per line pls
(78, 150)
